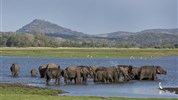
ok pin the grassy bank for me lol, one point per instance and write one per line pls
(21, 92)
(87, 52)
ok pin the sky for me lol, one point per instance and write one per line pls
(91, 16)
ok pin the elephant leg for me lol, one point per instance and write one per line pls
(13, 74)
(84, 79)
(58, 81)
(95, 80)
(141, 77)
(66, 80)
(78, 78)
(154, 77)
(47, 81)
(16, 74)
(104, 80)
(75, 80)
(111, 79)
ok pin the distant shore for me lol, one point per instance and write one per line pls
(66, 52)
(87, 52)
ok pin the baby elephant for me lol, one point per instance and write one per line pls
(53, 73)
(15, 70)
(33, 73)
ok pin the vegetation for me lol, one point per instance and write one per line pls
(87, 52)
(40, 39)
(21, 92)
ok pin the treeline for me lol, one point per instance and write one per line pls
(13, 39)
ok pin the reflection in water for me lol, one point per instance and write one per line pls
(129, 89)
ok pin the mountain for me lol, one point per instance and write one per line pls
(124, 34)
(153, 39)
(167, 31)
(145, 38)
(118, 34)
(49, 28)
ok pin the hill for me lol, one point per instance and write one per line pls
(48, 28)
(167, 31)
(67, 37)
(124, 34)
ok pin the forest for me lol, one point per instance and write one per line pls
(149, 40)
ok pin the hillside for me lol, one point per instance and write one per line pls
(61, 36)
(48, 28)
(124, 34)
(118, 34)
(153, 39)
(167, 31)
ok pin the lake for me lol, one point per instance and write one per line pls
(138, 89)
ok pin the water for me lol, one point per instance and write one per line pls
(146, 89)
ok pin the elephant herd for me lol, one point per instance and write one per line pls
(80, 74)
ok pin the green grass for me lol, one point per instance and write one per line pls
(21, 92)
(87, 52)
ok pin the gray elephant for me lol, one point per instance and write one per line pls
(107, 74)
(53, 73)
(135, 73)
(112, 74)
(15, 70)
(77, 73)
(70, 73)
(86, 72)
(126, 71)
(42, 71)
(33, 73)
(43, 68)
(100, 74)
(149, 72)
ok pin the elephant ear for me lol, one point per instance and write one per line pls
(84, 70)
(158, 69)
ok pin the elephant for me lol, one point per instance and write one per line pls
(70, 73)
(87, 72)
(15, 70)
(43, 68)
(135, 73)
(77, 73)
(91, 70)
(107, 74)
(112, 74)
(126, 71)
(42, 71)
(53, 73)
(100, 74)
(33, 72)
(149, 72)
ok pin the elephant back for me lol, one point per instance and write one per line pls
(52, 66)
(147, 69)
(83, 69)
(71, 68)
(100, 69)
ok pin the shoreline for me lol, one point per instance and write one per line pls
(62, 92)
(45, 52)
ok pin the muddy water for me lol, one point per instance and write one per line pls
(144, 89)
